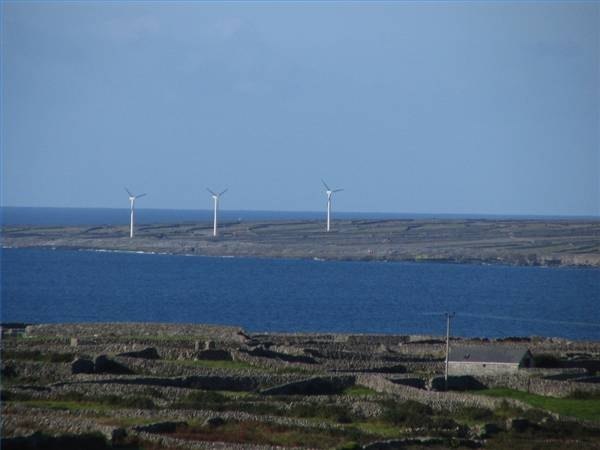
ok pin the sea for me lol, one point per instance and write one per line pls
(279, 295)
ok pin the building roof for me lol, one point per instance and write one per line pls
(487, 353)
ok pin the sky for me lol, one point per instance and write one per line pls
(414, 107)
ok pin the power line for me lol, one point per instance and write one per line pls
(448, 317)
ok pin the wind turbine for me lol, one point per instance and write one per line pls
(132, 199)
(329, 193)
(216, 197)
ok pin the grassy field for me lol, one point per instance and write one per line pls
(588, 409)
(359, 391)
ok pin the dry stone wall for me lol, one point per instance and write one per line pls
(437, 400)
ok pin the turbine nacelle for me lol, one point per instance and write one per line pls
(328, 190)
(214, 194)
(132, 197)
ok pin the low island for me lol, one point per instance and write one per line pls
(560, 242)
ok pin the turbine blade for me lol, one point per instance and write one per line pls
(129, 192)
(141, 195)
(222, 192)
(325, 184)
(211, 191)
(337, 190)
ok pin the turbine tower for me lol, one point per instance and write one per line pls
(329, 193)
(132, 199)
(215, 197)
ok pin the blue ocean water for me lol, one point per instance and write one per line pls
(299, 295)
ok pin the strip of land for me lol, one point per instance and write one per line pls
(514, 242)
(176, 386)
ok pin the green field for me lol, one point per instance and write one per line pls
(588, 409)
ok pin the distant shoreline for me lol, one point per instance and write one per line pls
(316, 259)
(545, 243)
(174, 329)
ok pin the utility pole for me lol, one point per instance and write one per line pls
(448, 317)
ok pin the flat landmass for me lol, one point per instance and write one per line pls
(169, 386)
(515, 242)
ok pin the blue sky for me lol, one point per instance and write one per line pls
(424, 107)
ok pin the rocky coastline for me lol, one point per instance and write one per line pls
(554, 243)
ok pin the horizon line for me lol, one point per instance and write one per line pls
(471, 214)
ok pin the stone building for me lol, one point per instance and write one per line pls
(487, 359)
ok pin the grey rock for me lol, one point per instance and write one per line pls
(214, 422)
(8, 371)
(518, 424)
(214, 355)
(118, 436)
(81, 365)
(160, 427)
(147, 353)
(102, 364)
(486, 430)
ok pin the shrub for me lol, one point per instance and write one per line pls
(338, 413)
(89, 441)
(36, 355)
(535, 415)
(7, 396)
(444, 423)
(256, 408)
(138, 402)
(507, 410)
(60, 357)
(410, 413)
(583, 395)
(206, 397)
(475, 413)
(202, 399)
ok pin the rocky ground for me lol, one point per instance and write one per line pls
(519, 242)
(151, 386)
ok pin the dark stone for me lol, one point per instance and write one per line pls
(161, 427)
(214, 422)
(147, 353)
(456, 383)
(102, 364)
(118, 436)
(411, 382)
(8, 371)
(518, 424)
(38, 440)
(214, 355)
(488, 429)
(81, 365)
